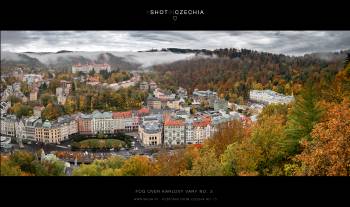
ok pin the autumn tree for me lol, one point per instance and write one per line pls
(70, 105)
(22, 110)
(87, 170)
(207, 164)
(46, 99)
(24, 160)
(241, 159)
(339, 89)
(25, 88)
(8, 168)
(226, 134)
(50, 112)
(270, 139)
(137, 166)
(172, 164)
(328, 152)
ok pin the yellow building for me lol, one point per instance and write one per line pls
(48, 133)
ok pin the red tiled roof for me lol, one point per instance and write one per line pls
(203, 123)
(123, 114)
(143, 111)
(170, 122)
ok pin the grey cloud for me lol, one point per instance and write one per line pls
(286, 42)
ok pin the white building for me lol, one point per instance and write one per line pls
(174, 131)
(269, 97)
(204, 94)
(20, 130)
(102, 122)
(68, 126)
(4, 106)
(29, 127)
(150, 131)
(198, 130)
(89, 67)
(123, 121)
(8, 125)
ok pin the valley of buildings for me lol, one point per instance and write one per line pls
(164, 120)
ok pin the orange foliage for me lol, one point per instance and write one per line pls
(329, 151)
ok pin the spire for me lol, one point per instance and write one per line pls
(76, 161)
(42, 157)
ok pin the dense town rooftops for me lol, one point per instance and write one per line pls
(86, 116)
(173, 122)
(152, 127)
(102, 115)
(202, 122)
(65, 119)
(143, 111)
(122, 115)
(9, 117)
(47, 124)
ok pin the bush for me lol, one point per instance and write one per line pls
(98, 144)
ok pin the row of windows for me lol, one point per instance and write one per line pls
(153, 143)
(152, 138)
(176, 127)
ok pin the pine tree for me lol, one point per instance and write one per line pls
(304, 115)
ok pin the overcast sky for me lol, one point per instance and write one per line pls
(286, 42)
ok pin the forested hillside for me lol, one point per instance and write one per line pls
(234, 72)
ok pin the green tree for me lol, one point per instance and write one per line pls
(23, 159)
(241, 159)
(46, 99)
(138, 166)
(92, 72)
(8, 168)
(305, 113)
(269, 136)
(87, 170)
(25, 88)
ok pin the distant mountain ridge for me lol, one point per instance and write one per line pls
(64, 59)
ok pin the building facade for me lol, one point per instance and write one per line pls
(85, 124)
(89, 67)
(150, 131)
(102, 122)
(29, 127)
(48, 133)
(154, 103)
(174, 132)
(8, 125)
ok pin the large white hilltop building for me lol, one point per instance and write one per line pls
(89, 67)
(269, 97)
